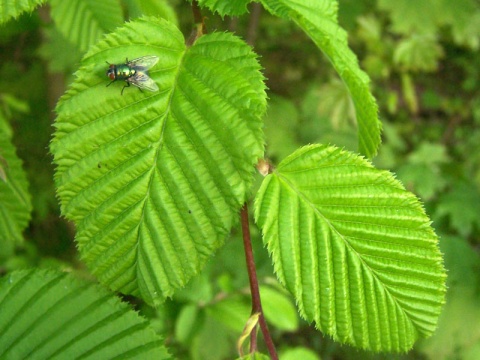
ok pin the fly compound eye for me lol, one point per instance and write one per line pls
(111, 73)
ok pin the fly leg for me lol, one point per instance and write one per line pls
(124, 86)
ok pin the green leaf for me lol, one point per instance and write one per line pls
(15, 203)
(354, 248)
(278, 309)
(160, 8)
(154, 181)
(427, 17)
(11, 9)
(461, 205)
(426, 181)
(53, 315)
(187, 324)
(318, 18)
(60, 55)
(226, 7)
(413, 16)
(212, 341)
(233, 312)
(458, 332)
(255, 356)
(299, 353)
(83, 22)
(281, 123)
(418, 53)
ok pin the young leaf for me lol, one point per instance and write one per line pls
(15, 205)
(11, 9)
(155, 180)
(461, 205)
(318, 18)
(52, 315)
(160, 8)
(418, 53)
(279, 309)
(83, 22)
(355, 249)
(226, 7)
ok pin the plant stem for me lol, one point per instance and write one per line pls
(254, 289)
(197, 14)
(199, 28)
(253, 24)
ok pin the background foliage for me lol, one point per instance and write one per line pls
(423, 60)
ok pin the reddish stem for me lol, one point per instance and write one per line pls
(254, 289)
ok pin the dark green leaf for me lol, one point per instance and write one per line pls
(53, 315)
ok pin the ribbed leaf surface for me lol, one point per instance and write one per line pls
(15, 205)
(52, 315)
(226, 7)
(318, 18)
(83, 22)
(155, 180)
(354, 247)
(159, 8)
(10, 9)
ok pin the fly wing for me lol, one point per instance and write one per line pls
(143, 81)
(143, 63)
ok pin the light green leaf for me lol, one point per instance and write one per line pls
(11, 9)
(354, 248)
(458, 332)
(255, 356)
(233, 312)
(424, 180)
(318, 18)
(154, 181)
(60, 55)
(418, 53)
(15, 203)
(83, 22)
(226, 7)
(278, 309)
(281, 124)
(461, 205)
(187, 323)
(427, 17)
(299, 353)
(249, 326)
(53, 315)
(413, 16)
(160, 8)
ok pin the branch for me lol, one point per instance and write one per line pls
(253, 24)
(254, 289)
(199, 26)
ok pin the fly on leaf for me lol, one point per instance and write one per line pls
(134, 72)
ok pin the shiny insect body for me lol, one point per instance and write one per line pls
(134, 72)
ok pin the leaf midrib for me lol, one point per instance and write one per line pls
(291, 185)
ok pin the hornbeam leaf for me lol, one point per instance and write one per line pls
(52, 315)
(226, 7)
(318, 19)
(83, 22)
(11, 9)
(15, 202)
(354, 248)
(154, 180)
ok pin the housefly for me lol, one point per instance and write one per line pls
(134, 72)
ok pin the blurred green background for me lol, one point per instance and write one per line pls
(423, 60)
